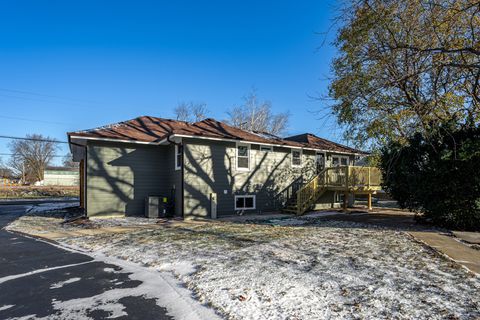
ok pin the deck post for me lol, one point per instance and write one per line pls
(369, 201)
(345, 201)
(369, 177)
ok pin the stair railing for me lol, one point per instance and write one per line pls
(309, 192)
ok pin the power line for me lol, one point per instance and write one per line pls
(32, 120)
(77, 104)
(11, 154)
(45, 95)
(32, 139)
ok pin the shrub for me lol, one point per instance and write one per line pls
(438, 176)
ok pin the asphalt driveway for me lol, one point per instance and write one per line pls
(35, 277)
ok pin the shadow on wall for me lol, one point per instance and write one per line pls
(206, 174)
(119, 186)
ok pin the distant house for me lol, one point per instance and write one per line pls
(208, 168)
(61, 176)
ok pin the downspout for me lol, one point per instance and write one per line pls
(182, 176)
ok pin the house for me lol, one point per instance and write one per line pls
(60, 176)
(207, 168)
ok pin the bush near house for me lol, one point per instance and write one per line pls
(438, 176)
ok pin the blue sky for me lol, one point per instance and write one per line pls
(77, 65)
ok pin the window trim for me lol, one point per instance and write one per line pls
(340, 160)
(248, 156)
(266, 148)
(178, 166)
(254, 197)
(324, 158)
(301, 158)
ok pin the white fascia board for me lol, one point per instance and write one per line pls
(265, 144)
(165, 141)
(241, 141)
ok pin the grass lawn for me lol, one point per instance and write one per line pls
(299, 268)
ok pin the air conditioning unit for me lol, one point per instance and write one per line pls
(152, 206)
(156, 207)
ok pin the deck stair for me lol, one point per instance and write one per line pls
(344, 179)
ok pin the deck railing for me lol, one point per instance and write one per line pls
(353, 177)
(342, 178)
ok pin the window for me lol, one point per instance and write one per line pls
(178, 156)
(339, 161)
(243, 157)
(320, 161)
(266, 148)
(296, 158)
(244, 202)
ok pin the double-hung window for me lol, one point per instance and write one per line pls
(244, 202)
(339, 161)
(243, 157)
(296, 158)
(178, 156)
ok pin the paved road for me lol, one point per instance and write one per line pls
(36, 277)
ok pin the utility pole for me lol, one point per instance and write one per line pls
(23, 172)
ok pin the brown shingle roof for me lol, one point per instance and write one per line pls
(319, 143)
(152, 129)
(144, 128)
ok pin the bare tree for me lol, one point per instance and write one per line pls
(31, 156)
(257, 116)
(68, 161)
(191, 111)
(5, 172)
(182, 112)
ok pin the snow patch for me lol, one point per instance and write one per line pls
(161, 286)
(60, 284)
(317, 270)
(7, 306)
(26, 274)
(45, 207)
(323, 269)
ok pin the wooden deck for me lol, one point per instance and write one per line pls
(344, 179)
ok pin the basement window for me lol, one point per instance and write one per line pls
(245, 202)
(178, 156)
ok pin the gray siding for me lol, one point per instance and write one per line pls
(174, 180)
(210, 167)
(120, 176)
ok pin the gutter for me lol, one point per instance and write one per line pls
(168, 139)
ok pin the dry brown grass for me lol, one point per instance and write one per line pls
(26, 192)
